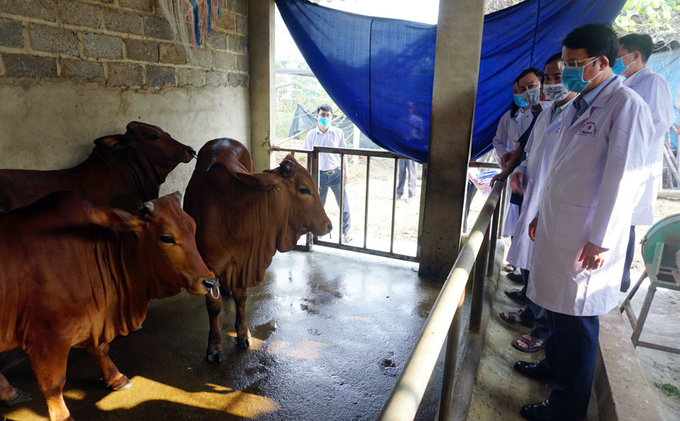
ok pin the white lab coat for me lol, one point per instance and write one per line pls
(539, 150)
(588, 198)
(656, 92)
(503, 142)
(506, 136)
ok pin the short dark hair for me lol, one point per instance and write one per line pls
(638, 42)
(552, 58)
(597, 38)
(324, 107)
(535, 71)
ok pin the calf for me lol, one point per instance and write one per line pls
(242, 219)
(75, 275)
(123, 171)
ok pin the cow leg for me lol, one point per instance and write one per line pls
(242, 333)
(114, 378)
(10, 396)
(214, 353)
(48, 360)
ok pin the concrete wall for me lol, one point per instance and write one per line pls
(74, 70)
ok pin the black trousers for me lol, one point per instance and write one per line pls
(571, 352)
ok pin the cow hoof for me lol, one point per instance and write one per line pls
(121, 384)
(243, 342)
(216, 357)
(20, 399)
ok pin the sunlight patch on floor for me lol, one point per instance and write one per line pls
(215, 397)
(305, 350)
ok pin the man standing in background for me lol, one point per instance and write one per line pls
(329, 163)
(634, 51)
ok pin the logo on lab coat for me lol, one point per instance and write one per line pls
(588, 128)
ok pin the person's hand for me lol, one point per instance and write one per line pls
(346, 178)
(532, 229)
(505, 158)
(498, 177)
(592, 256)
(516, 182)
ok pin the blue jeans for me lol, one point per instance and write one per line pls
(332, 179)
(406, 167)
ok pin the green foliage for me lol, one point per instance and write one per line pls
(668, 389)
(658, 18)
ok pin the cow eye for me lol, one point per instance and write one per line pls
(304, 190)
(167, 239)
(153, 137)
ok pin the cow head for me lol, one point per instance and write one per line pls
(166, 241)
(299, 198)
(151, 144)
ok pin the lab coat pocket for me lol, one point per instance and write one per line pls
(573, 227)
(582, 151)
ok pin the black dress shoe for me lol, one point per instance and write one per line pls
(542, 411)
(515, 277)
(534, 370)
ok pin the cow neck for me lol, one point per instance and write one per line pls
(124, 275)
(137, 177)
(140, 173)
(247, 234)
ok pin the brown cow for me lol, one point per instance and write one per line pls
(77, 275)
(242, 219)
(123, 171)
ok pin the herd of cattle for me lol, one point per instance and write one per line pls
(85, 249)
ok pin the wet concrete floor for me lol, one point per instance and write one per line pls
(331, 329)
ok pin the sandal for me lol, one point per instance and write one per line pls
(515, 294)
(532, 345)
(512, 319)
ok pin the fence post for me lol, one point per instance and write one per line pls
(478, 285)
(493, 239)
(451, 359)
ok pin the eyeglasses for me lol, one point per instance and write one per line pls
(572, 62)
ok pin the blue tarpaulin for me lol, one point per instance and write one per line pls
(380, 71)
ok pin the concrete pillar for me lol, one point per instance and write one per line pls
(459, 44)
(262, 92)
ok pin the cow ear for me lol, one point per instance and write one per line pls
(114, 219)
(114, 142)
(291, 155)
(263, 181)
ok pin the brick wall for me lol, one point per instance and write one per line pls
(117, 43)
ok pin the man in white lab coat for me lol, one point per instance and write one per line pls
(634, 50)
(529, 179)
(504, 143)
(583, 223)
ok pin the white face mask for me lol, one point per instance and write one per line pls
(556, 92)
(532, 96)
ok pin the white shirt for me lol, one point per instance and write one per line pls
(333, 138)
(506, 136)
(588, 198)
(539, 150)
(656, 92)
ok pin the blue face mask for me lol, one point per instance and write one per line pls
(519, 101)
(619, 67)
(572, 79)
(324, 121)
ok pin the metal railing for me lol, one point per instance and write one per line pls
(475, 260)
(313, 167)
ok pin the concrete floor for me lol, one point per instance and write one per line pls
(331, 331)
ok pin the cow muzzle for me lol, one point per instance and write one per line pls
(213, 287)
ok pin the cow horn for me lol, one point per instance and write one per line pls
(286, 168)
(149, 206)
(178, 195)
